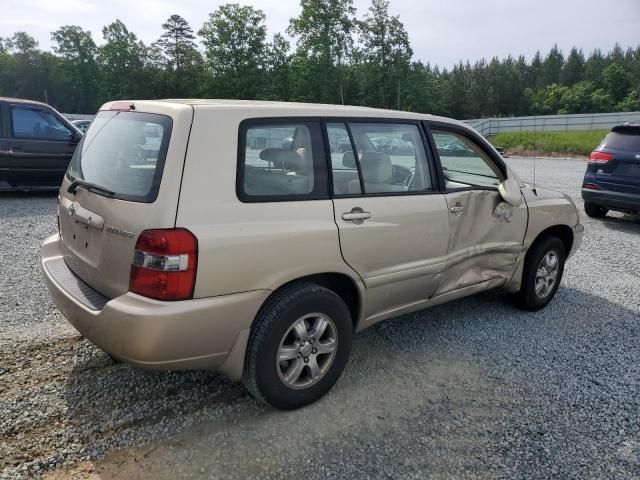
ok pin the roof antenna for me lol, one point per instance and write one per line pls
(535, 125)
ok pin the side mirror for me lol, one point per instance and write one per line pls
(76, 137)
(510, 192)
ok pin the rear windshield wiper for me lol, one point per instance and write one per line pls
(88, 186)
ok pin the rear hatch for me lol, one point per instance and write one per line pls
(124, 178)
(620, 172)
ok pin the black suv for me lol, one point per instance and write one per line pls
(36, 145)
(612, 179)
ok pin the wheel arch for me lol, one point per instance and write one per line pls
(349, 289)
(563, 232)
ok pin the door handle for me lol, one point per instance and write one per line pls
(356, 215)
(458, 208)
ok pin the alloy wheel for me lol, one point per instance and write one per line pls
(547, 274)
(307, 351)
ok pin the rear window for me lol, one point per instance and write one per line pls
(124, 152)
(622, 141)
(281, 161)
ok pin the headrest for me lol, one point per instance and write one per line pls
(376, 167)
(281, 157)
(348, 160)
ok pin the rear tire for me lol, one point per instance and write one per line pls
(543, 268)
(594, 211)
(298, 347)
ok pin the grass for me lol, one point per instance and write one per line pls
(571, 143)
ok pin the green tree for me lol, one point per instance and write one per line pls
(552, 66)
(577, 99)
(23, 43)
(423, 90)
(631, 103)
(324, 43)
(235, 44)
(176, 41)
(616, 80)
(122, 62)
(32, 70)
(177, 64)
(78, 52)
(601, 101)
(552, 99)
(594, 67)
(534, 77)
(573, 69)
(456, 92)
(326, 66)
(277, 69)
(5, 45)
(386, 53)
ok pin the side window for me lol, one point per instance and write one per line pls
(464, 164)
(281, 161)
(392, 158)
(343, 164)
(37, 124)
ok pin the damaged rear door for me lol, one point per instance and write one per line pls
(486, 233)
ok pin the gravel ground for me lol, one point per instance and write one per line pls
(472, 389)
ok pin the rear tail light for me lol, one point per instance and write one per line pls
(599, 157)
(590, 186)
(164, 264)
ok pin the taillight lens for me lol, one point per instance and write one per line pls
(599, 157)
(590, 186)
(164, 264)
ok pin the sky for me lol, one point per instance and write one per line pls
(442, 32)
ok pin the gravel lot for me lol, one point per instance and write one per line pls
(472, 389)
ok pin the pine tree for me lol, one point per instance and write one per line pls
(176, 41)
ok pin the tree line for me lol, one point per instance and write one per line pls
(337, 57)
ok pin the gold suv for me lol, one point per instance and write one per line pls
(256, 238)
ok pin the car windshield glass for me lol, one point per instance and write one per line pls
(123, 152)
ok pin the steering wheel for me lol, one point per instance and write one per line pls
(399, 175)
(411, 181)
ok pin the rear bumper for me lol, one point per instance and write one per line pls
(189, 334)
(613, 200)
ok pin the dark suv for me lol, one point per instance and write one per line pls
(36, 145)
(612, 179)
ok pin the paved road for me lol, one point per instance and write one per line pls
(472, 389)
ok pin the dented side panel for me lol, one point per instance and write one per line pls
(486, 239)
(548, 208)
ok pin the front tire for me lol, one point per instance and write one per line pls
(595, 211)
(299, 345)
(543, 269)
